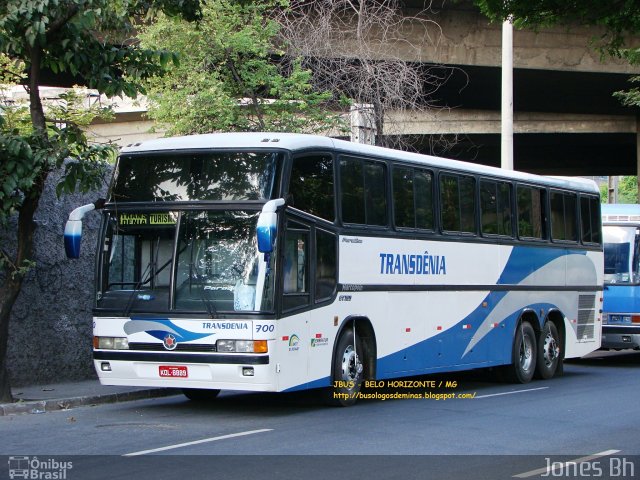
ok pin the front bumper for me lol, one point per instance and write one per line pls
(621, 336)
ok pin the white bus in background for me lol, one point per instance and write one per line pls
(280, 262)
(621, 310)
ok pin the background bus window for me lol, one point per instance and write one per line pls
(495, 208)
(296, 261)
(530, 212)
(457, 194)
(311, 186)
(325, 265)
(564, 218)
(364, 196)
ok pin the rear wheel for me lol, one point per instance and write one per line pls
(524, 355)
(200, 394)
(549, 352)
(348, 370)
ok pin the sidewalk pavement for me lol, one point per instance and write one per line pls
(63, 396)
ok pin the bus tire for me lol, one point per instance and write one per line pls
(348, 371)
(549, 352)
(200, 394)
(524, 355)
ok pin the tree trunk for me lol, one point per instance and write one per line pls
(8, 293)
(11, 288)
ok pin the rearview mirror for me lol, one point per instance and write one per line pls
(73, 228)
(267, 228)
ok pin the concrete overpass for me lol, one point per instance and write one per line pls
(566, 120)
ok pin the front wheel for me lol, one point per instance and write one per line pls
(549, 352)
(348, 370)
(524, 355)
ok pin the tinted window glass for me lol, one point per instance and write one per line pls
(495, 207)
(590, 220)
(325, 265)
(311, 186)
(457, 193)
(364, 195)
(423, 188)
(352, 185)
(563, 216)
(375, 193)
(296, 261)
(197, 176)
(530, 212)
(413, 198)
(403, 202)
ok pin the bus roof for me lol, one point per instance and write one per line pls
(300, 142)
(619, 213)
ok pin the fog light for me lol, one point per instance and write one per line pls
(247, 371)
(105, 366)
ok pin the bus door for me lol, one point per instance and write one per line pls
(309, 286)
(296, 299)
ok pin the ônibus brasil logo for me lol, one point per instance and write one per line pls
(35, 468)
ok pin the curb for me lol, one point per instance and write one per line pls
(55, 404)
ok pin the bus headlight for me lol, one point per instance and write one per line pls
(111, 343)
(242, 346)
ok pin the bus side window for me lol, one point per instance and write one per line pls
(311, 186)
(296, 261)
(325, 265)
(531, 212)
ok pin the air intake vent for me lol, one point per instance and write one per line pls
(586, 317)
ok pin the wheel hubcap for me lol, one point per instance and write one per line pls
(551, 350)
(526, 353)
(351, 365)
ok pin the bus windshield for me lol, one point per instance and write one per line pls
(217, 266)
(171, 177)
(621, 256)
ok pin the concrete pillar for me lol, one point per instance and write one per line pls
(363, 124)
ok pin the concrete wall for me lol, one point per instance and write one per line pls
(51, 325)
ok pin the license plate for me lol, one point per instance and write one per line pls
(173, 371)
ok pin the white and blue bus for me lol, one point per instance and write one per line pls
(621, 309)
(281, 262)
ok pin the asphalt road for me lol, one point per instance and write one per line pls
(506, 430)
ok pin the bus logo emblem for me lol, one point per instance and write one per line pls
(169, 342)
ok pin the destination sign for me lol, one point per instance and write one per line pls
(147, 219)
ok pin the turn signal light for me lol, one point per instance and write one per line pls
(260, 346)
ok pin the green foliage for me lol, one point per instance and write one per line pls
(232, 75)
(85, 38)
(619, 19)
(28, 155)
(627, 190)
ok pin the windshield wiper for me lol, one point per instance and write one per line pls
(211, 308)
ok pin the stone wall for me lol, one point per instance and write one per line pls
(51, 324)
